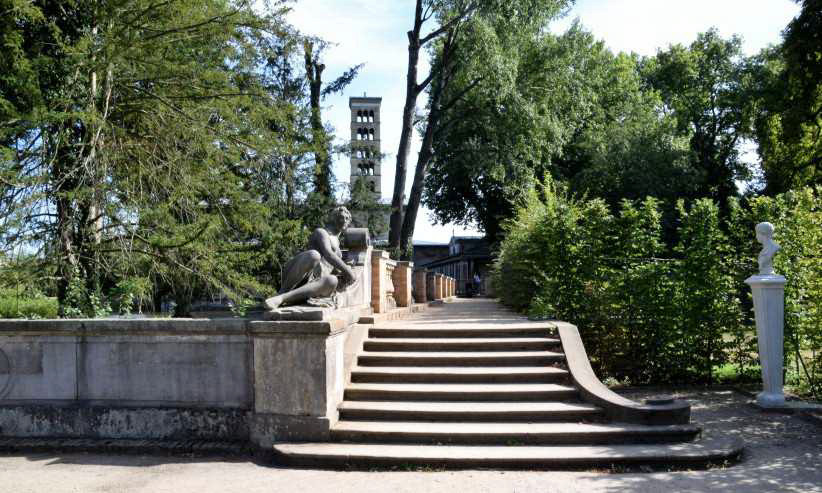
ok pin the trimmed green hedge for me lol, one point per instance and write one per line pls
(654, 314)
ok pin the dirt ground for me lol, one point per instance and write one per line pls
(783, 453)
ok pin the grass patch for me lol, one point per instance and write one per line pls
(19, 307)
(731, 373)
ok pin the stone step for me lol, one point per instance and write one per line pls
(459, 358)
(693, 454)
(467, 374)
(459, 392)
(459, 332)
(465, 344)
(468, 411)
(503, 433)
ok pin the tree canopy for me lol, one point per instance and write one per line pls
(159, 144)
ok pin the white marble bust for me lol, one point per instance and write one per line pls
(764, 235)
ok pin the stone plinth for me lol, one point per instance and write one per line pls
(769, 309)
(420, 287)
(298, 379)
(403, 285)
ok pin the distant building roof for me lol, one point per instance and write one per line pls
(428, 243)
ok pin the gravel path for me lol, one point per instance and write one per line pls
(784, 453)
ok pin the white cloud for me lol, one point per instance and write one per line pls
(374, 32)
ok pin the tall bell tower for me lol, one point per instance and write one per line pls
(365, 142)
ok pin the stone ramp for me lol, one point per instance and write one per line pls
(470, 384)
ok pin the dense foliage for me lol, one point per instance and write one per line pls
(155, 152)
(788, 104)
(570, 108)
(651, 313)
(472, 44)
(616, 126)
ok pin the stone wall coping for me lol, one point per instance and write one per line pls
(167, 326)
(281, 328)
(594, 391)
(378, 254)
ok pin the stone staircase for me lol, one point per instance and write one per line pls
(482, 395)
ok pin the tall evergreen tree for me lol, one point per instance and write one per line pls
(133, 130)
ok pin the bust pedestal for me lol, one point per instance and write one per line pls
(769, 310)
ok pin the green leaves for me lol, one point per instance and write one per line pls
(703, 88)
(787, 104)
(655, 316)
(158, 141)
(574, 110)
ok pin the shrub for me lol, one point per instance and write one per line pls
(13, 305)
(651, 317)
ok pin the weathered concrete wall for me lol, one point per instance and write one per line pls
(226, 379)
(132, 423)
(137, 365)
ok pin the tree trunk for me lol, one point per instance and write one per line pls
(65, 184)
(423, 159)
(322, 161)
(412, 91)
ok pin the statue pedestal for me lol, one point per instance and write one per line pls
(769, 309)
(298, 379)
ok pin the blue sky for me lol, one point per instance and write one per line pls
(373, 32)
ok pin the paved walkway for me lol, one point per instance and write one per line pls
(784, 453)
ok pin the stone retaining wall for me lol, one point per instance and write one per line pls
(221, 379)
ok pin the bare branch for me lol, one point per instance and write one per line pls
(469, 9)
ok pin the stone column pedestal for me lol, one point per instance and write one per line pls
(403, 288)
(380, 281)
(420, 286)
(298, 379)
(769, 309)
(431, 286)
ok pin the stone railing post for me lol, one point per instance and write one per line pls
(431, 285)
(768, 290)
(379, 281)
(420, 286)
(440, 286)
(403, 289)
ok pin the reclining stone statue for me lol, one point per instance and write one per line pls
(311, 277)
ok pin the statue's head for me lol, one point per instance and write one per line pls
(764, 232)
(339, 218)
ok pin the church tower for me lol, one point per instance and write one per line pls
(365, 142)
